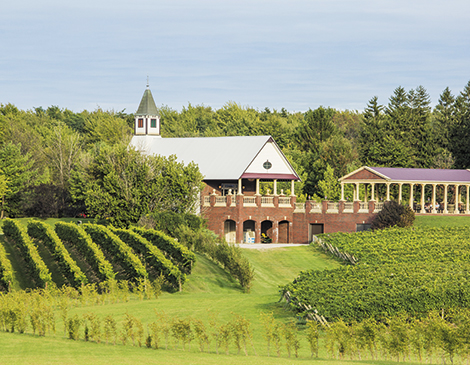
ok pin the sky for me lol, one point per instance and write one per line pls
(297, 54)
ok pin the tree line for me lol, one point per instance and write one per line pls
(55, 162)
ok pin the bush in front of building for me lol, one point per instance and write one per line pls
(227, 255)
(169, 222)
(393, 214)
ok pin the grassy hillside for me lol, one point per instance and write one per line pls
(210, 291)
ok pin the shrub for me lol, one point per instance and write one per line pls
(229, 256)
(393, 214)
(16, 233)
(77, 237)
(178, 253)
(66, 264)
(152, 255)
(6, 270)
(115, 247)
(169, 222)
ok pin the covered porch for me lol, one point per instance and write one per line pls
(426, 191)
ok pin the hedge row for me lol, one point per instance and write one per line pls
(228, 255)
(121, 252)
(67, 265)
(16, 233)
(153, 256)
(6, 270)
(76, 236)
(180, 255)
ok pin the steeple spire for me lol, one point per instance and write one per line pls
(147, 118)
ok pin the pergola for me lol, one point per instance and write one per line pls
(413, 177)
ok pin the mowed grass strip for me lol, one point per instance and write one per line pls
(26, 350)
(209, 291)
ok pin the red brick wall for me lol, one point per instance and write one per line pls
(298, 228)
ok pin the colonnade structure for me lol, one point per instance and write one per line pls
(236, 208)
(449, 182)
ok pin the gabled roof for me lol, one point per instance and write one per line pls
(394, 174)
(147, 105)
(222, 158)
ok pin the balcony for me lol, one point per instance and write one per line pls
(363, 207)
(267, 201)
(288, 202)
(348, 207)
(220, 201)
(249, 201)
(284, 202)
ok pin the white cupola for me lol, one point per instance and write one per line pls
(147, 118)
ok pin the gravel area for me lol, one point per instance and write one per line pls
(267, 246)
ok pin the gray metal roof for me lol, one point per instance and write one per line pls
(218, 158)
(147, 105)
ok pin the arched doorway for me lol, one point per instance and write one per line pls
(230, 231)
(266, 232)
(283, 232)
(249, 231)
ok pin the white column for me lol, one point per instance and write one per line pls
(422, 198)
(357, 192)
(456, 210)
(257, 187)
(240, 187)
(399, 192)
(467, 211)
(433, 209)
(445, 199)
(342, 191)
(275, 187)
(372, 196)
(411, 195)
(388, 191)
(292, 193)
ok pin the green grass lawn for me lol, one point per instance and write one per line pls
(210, 290)
(441, 220)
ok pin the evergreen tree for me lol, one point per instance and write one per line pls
(316, 127)
(444, 114)
(460, 135)
(401, 136)
(372, 134)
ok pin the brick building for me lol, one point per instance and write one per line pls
(233, 168)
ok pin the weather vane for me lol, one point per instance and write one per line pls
(147, 81)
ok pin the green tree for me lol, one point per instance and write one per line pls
(372, 135)
(234, 120)
(444, 114)
(329, 187)
(121, 185)
(460, 134)
(106, 127)
(316, 127)
(62, 148)
(3, 190)
(19, 171)
(409, 123)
